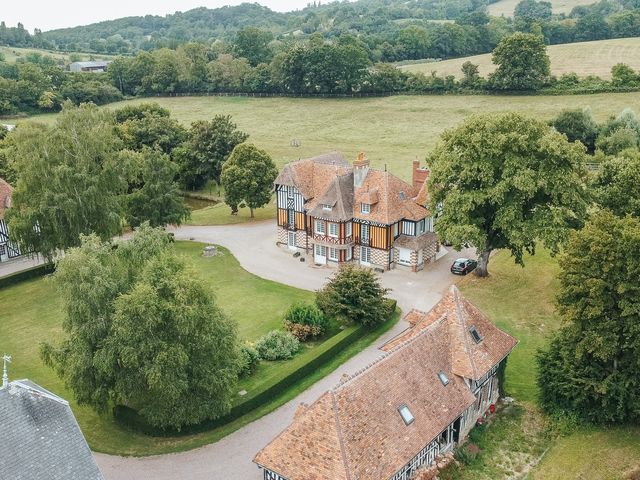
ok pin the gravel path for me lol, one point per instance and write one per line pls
(254, 246)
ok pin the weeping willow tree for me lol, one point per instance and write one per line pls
(68, 184)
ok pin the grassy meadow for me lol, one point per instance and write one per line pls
(391, 130)
(583, 58)
(506, 7)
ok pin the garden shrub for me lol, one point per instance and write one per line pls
(277, 345)
(249, 358)
(304, 321)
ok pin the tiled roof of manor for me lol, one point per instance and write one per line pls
(6, 191)
(322, 180)
(312, 176)
(354, 432)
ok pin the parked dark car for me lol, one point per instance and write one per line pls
(462, 266)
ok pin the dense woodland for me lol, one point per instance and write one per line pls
(390, 30)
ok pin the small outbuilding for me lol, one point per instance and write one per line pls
(98, 66)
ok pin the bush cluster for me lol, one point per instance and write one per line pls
(305, 321)
(277, 345)
(249, 359)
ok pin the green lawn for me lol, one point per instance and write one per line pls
(31, 314)
(521, 301)
(220, 214)
(506, 7)
(393, 131)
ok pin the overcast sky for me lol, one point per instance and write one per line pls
(51, 14)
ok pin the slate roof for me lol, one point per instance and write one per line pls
(354, 431)
(40, 437)
(6, 191)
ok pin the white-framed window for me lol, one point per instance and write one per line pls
(420, 227)
(291, 191)
(365, 255)
(429, 224)
(333, 254)
(320, 229)
(348, 228)
(364, 233)
(333, 229)
(326, 207)
(396, 229)
(365, 208)
(321, 250)
(349, 254)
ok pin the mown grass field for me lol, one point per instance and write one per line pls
(583, 58)
(11, 54)
(506, 7)
(391, 130)
(521, 301)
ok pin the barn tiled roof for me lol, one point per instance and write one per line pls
(6, 191)
(355, 432)
(40, 437)
(469, 359)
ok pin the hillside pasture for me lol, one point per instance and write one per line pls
(583, 58)
(12, 54)
(392, 131)
(506, 7)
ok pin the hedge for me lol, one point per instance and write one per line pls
(15, 278)
(130, 419)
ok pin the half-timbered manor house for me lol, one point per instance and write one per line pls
(8, 249)
(335, 212)
(419, 400)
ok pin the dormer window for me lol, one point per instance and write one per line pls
(443, 378)
(406, 414)
(365, 208)
(326, 207)
(476, 336)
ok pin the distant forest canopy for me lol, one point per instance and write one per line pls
(391, 30)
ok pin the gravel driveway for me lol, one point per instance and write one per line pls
(254, 246)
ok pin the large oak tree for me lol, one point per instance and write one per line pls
(507, 181)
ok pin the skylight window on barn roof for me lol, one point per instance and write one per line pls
(406, 414)
(474, 333)
(443, 377)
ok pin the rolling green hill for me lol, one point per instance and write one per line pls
(584, 58)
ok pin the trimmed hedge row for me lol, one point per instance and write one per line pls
(39, 271)
(131, 420)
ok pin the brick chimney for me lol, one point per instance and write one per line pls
(420, 176)
(360, 170)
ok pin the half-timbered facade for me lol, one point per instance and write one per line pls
(8, 249)
(334, 213)
(419, 400)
